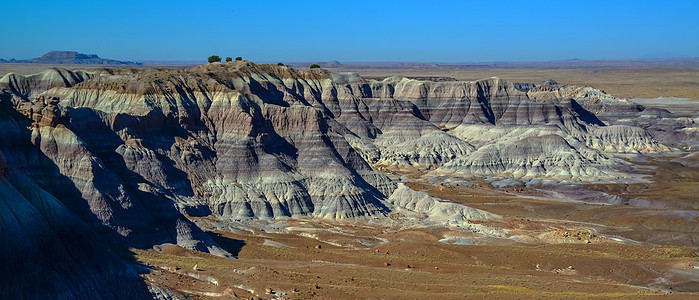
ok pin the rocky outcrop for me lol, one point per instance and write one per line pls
(240, 140)
(442, 212)
(26, 88)
(48, 251)
(548, 155)
(596, 101)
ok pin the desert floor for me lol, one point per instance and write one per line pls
(555, 248)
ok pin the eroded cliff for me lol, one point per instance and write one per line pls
(131, 153)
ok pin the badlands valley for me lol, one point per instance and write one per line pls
(239, 180)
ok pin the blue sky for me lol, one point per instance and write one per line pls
(292, 31)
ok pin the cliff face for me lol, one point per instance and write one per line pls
(125, 154)
(241, 140)
(48, 251)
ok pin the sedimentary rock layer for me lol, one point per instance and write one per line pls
(241, 140)
(127, 155)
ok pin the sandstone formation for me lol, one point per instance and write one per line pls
(442, 212)
(128, 155)
(240, 140)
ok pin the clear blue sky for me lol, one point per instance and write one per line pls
(292, 31)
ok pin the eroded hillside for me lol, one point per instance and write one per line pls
(131, 156)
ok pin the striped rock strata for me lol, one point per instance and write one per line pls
(241, 140)
(125, 154)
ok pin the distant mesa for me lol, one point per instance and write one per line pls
(332, 64)
(70, 57)
(326, 64)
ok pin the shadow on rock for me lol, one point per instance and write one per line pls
(233, 246)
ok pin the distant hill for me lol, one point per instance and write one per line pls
(332, 64)
(328, 64)
(70, 57)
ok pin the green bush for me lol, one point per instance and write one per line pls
(214, 58)
(238, 58)
(315, 66)
(229, 59)
(280, 64)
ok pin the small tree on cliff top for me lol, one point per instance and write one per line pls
(229, 59)
(315, 66)
(214, 58)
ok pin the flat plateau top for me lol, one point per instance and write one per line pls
(620, 82)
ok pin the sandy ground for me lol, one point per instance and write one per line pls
(413, 263)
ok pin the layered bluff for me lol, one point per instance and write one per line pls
(128, 156)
